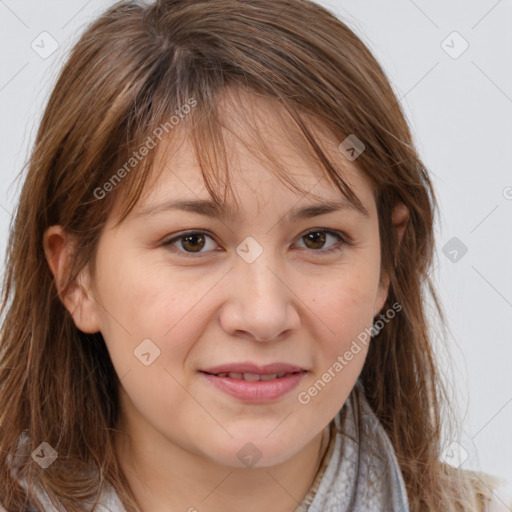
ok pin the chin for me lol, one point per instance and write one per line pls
(254, 452)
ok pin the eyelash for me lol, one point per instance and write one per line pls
(344, 239)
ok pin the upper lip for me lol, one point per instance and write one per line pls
(267, 369)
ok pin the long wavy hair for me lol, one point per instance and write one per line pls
(129, 77)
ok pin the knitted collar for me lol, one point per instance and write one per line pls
(359, 471)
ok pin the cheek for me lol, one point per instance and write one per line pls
(151, 304)
(343, 315)
(148, 326)
(341, 354)
(165, 303)
(142, 296)
(345, 304)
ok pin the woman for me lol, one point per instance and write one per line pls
(266, 372)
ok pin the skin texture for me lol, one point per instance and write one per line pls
(180, 436)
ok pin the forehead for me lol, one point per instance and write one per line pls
(256, 132)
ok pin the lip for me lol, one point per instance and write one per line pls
(262, 391)
(248, 367)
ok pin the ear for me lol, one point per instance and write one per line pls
(399, 218)
(78, 299)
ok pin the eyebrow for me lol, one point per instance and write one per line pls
(210, 209)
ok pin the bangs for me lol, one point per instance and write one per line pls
(203, 125)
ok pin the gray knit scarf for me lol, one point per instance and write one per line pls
(361, 473)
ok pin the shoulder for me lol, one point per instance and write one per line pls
(493, 493)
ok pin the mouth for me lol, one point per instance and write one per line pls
(253, 377)
(248, 370)
(256, 385)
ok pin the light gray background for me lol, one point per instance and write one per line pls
(460, 111)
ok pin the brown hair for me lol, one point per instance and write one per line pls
(134, 68)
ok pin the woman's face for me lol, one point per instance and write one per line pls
(250, 290)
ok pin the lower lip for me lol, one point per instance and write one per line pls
(256, 391)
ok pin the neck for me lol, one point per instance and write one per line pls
(166, 477)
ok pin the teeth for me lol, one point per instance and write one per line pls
(269, 377)
(251, 377)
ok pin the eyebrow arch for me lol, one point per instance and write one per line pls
(210, 209)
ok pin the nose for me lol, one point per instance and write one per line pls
(261, 305)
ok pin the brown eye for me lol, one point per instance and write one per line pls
(194, 242)
(191, 243)
(316, 238)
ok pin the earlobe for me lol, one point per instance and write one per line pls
(382, 294)
(77, 298)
